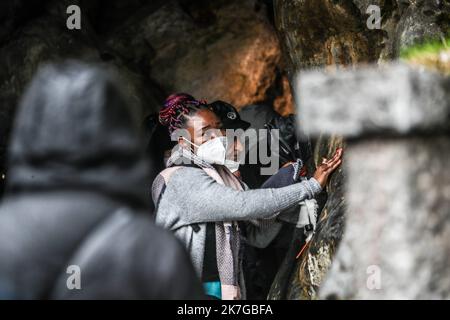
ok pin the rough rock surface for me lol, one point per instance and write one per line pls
(327, 32)
(307, 272)
(214, 50)
(397, 227)
(403, 252)
(227, 47)
(407, 22)
(334, 34)
(391, 100)
(233, 57)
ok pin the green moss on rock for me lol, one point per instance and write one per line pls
(434, 55)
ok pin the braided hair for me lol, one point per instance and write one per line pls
(176, 108)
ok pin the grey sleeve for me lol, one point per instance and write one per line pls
(206, 200)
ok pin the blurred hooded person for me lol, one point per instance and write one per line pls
(74, 223)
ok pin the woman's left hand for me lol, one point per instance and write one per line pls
(327, 167)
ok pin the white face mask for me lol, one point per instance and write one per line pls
(214, 151)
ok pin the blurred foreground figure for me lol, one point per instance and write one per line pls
(74, 222)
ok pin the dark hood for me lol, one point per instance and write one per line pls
(76, 130)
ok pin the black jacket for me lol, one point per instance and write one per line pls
(78, 195)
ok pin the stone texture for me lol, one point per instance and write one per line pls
(324, 33)
(155, 53)
(334, 35)
(317, 33)
(398, 220)
(392, 100)
(216, 50)
(233, 56)
(284, 101)
(421, 19)
(300, 278)
(407, 22)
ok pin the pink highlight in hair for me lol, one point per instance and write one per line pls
(175, 107)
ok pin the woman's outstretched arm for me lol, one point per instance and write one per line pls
(202, 199)
(205, 200)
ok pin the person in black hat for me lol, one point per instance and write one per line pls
(230, 118)
(258, 268)
(228, 115)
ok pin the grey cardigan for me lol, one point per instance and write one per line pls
(191, 196)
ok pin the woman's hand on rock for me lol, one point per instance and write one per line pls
(324, 170)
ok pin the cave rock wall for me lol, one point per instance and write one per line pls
(334, 35)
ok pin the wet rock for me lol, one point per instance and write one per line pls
(324, 32)
(215, 50)
(422, 20)
(405, 23)
(334, 34)
(397, 182)
(225, 51)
